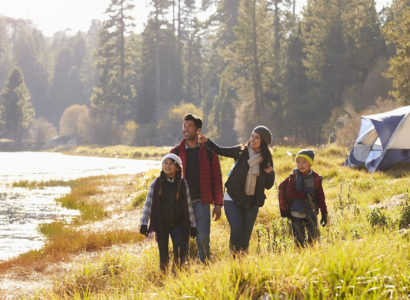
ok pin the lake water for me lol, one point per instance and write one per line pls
(21, 210)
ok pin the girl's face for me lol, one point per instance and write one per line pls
(303, 165)
(170, 168)
(255, 142)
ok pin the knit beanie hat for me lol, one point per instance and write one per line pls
(174, 157)
(307, 154)
(264, 133)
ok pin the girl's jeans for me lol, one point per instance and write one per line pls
(241, 221)
(180, 251)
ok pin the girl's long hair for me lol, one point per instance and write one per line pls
(178, 179)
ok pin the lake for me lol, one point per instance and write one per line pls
(21, 210)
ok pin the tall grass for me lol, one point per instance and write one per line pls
(357, 256)
(120, 151)
(40, 184)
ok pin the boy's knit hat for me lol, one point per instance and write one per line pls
(174, 157)
(264, 133)
(307, 154)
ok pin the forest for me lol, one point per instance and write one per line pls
(306, 76)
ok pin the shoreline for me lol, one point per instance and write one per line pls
(29, 272)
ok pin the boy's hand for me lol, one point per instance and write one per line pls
(323, 220)
(216, 213)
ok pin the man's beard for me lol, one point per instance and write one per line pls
(192, 138)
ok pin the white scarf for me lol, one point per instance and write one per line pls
(254, 160)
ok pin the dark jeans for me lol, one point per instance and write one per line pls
(301, 225)
(203, 224)
(180, 251)
(241, 221)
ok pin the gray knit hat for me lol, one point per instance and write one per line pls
(264, 133)
(307, 154)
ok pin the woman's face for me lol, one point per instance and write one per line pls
(169, 166)
(255, 142)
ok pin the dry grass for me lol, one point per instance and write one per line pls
(362, 253)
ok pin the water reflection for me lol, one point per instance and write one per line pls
(21, 210)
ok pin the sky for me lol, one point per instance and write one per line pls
(51, 16)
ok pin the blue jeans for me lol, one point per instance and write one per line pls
(301, 225)
(203, 224)
(241, 221)
(180, 251)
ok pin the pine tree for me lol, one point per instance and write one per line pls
(116, 88)
(249, 56)
(31, 55)
(397, 32)
(17, 112)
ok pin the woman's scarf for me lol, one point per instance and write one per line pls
(254, 160)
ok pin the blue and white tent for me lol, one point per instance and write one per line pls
(383, 140)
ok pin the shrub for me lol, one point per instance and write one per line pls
(41, 131)
(404, 220)
(377, 218)
(75, 121)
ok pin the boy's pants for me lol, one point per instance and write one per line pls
(180, 251)
(202, 215)
(299, 225)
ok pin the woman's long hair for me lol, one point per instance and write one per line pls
(266, 155)
(178, 179)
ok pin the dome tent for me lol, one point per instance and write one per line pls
(383, 140)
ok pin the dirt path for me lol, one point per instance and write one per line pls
(20, 282)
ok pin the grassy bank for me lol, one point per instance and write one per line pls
(363, 252)
(64, 239)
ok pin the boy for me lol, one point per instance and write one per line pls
(305, 193)
(169, 211)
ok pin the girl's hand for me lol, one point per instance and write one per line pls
(202, 139)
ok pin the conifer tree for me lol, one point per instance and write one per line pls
(397, 32)
(115, 91)
(17, 111)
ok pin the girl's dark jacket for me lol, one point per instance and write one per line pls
(237, 178)
(155, 218)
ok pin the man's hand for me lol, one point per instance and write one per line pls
(323, 220)
(216, 212)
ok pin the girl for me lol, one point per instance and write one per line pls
(246, 184)
(169, 212)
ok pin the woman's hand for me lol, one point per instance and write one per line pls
(202, 139)
(268, 169)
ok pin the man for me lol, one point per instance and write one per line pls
(202, 171)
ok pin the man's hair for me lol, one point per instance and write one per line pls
(197, 120)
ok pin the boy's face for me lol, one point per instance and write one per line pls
(303, 165)
(169, 167)
(190, 131)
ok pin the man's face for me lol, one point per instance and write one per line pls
(190, 131)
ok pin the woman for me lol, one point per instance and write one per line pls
(246, 184)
